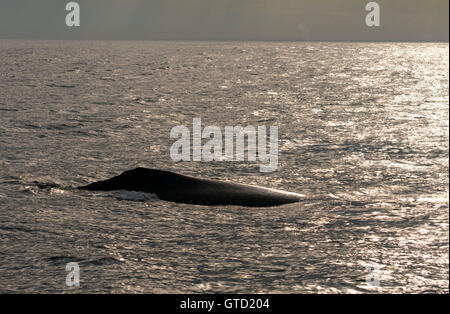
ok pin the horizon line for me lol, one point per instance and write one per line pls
(232, 40)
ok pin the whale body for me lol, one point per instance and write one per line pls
(174, 187)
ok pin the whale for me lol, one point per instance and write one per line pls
(179, 188)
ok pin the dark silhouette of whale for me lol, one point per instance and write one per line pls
(170, 186)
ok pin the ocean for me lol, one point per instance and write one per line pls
(363, 133)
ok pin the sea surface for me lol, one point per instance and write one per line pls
(363, 133)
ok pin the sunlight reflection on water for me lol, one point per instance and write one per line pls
(363, 134)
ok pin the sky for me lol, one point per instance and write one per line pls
(284, 20)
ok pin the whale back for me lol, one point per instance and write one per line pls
(180, 188)
(141, 179)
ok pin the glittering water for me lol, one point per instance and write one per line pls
(363, 133)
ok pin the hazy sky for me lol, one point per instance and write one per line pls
(401, 20)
